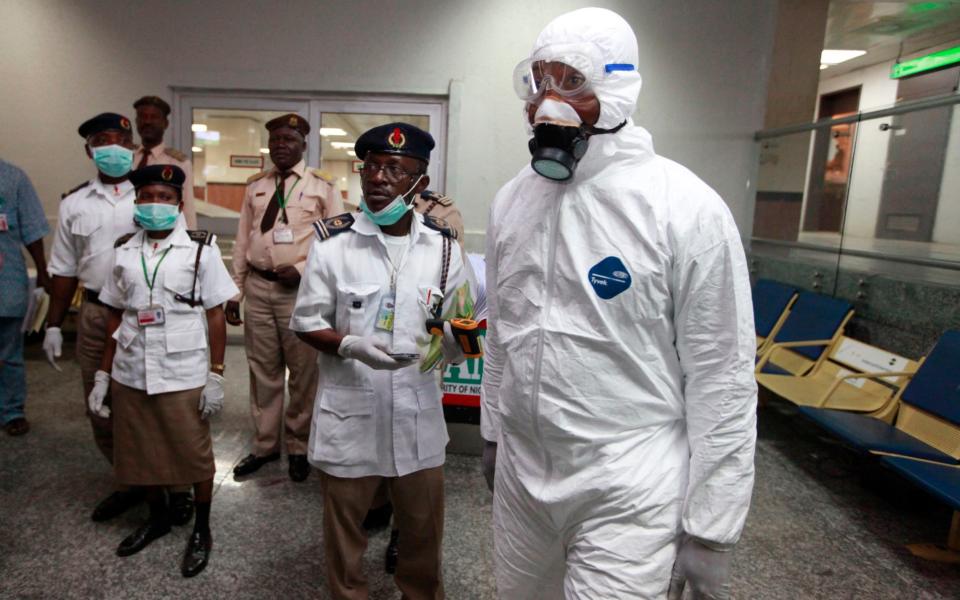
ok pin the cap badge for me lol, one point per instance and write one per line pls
(293, 122)
(167, 173)
(125, 123)
(396, 139)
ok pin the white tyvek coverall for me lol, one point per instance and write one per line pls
(623, 422)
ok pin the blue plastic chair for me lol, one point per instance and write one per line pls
(771, 304)
(815, 323)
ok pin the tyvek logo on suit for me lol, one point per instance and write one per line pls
(609, 277)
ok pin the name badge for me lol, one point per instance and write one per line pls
(4, 225)
(282, 235)
(150, 316)
(386, 313)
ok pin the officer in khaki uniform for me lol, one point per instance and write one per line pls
(152, 121)
(273, 237)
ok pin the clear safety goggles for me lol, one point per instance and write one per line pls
(570, 71)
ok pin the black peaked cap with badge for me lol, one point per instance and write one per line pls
(403, 139)
(170, 175)
(289, 120)
(153, 101)
(104, 122)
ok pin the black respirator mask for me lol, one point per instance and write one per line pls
(557, 149)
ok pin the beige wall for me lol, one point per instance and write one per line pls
(704, 65)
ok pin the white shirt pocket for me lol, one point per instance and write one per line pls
(345, 427)
(357, 306)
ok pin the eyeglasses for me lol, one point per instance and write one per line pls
(393, 173)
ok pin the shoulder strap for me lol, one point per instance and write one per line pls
(123, 239)
(258, 176)
(200, 236)
(76, 189)
(438, 224)
(327, 228)
(175, 154)
(444, 272)
(203, 238)
(323, 175)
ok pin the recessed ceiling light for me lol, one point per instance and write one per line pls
(342, 145)
(835, 57)
(351, 153)
(823, 66)
(331, 131)
(264, 150)
(198, 127)
(196, 149)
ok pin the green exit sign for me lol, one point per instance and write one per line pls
(937, 60)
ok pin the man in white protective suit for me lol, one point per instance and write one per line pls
(619, 404)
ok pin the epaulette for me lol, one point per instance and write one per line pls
(78, 188)
(123, 239)
(259, 175)
(175, 154)
(435, 197)
(440, 225)
(323, 175)
(327, 228)
(201, 236)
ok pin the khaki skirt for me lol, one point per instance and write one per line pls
(159, 439)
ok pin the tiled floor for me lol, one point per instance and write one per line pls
(824, 523)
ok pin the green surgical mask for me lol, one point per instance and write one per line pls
(392, 212)
(156, 216)
(113, 160)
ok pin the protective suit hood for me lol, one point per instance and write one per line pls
(609, 38)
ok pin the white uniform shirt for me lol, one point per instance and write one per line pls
(90, 221)
(369, 422)
(173, 356)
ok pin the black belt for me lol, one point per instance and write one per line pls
(92, 296)
(268, 275)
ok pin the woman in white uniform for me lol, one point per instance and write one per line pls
(164, 282)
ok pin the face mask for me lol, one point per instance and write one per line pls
(558, 142)
(113, 160)
(392, 212)
(156, 217)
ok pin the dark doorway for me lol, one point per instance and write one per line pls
(914, 170)
(831, 162)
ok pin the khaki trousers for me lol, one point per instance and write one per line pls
(417, 513)
(91, 343)
(272, 348)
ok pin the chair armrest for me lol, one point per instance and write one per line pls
(799, 344)
(877, 375)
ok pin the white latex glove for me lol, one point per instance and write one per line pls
(489, 462)
(452, 351)
(706, 569)
(53, 346)
(211, 399)
(101, 385)
(370, 351)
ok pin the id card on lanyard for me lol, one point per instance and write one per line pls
(153, 314)
(386, 314)
(282, 233)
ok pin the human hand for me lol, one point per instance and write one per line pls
(370, 351)
(53, 346)
(101, 385)
(43, 281)
(211, 399)
(232, 313)
(488, 462)
(706, 569)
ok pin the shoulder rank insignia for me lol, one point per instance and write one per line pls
(436, 198)
(440, 225)
(123, 239)
(175, 154)
(259, 175)
(76, 189)
(201, 236)
(323, 175)
(327, 228)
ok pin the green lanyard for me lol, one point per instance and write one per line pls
(280, 199)
(153, 280)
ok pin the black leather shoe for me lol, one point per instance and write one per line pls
(252, 463)
(197, 554)
(181, 508)
(393, 553)
(299, 467)
(141, 538)
(116, 504)
(378, 518)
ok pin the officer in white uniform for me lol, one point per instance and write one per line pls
(619, 403)
(92, 216)
(166, 287)
(372, 280)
